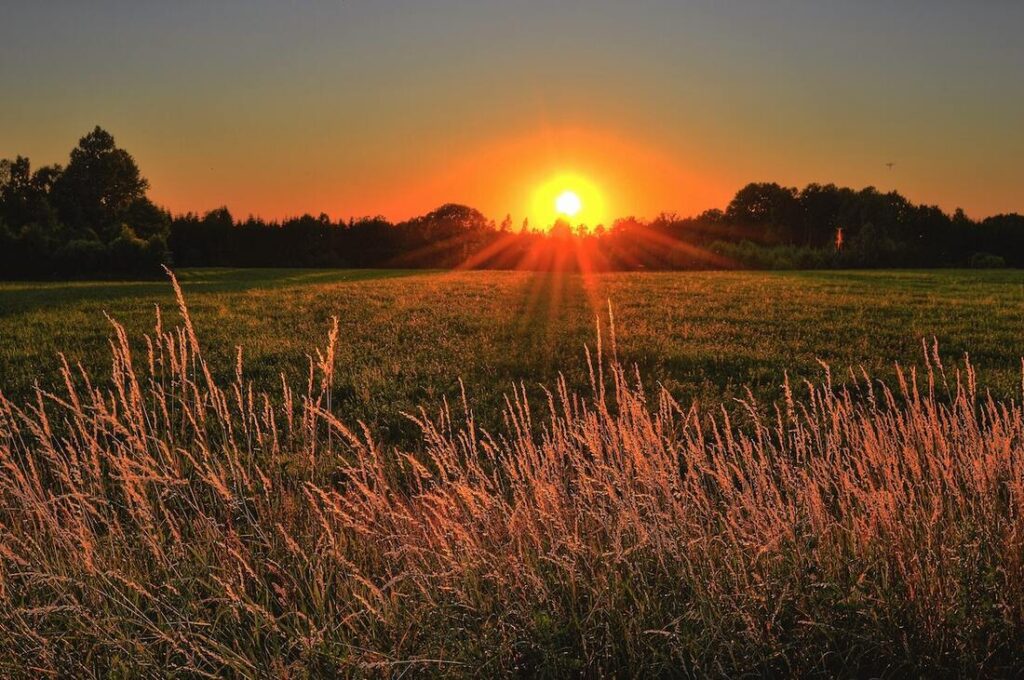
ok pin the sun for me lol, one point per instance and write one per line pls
(567, 196)
(568, 203)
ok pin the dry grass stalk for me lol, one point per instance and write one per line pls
(165, 524)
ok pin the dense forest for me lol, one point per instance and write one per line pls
(93, 218)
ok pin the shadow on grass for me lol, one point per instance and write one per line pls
(20, 297)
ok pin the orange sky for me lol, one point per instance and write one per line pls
(522, 176)
(393, 108)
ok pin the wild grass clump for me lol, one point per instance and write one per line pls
(167, 524)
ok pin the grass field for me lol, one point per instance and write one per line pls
(184, 513)
(407, 337)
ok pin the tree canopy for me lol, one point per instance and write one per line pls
(89, 217)
(92, 217)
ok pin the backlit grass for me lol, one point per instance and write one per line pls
(167, 520)
(406, 338)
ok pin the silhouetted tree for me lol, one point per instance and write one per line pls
(99, 185)
(93, 217)
(820, 206)
(89, 218)
(25, 196)
(773, 208)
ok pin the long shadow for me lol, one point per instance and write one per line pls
(22, 297)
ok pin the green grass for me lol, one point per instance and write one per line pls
(175, 523)
(406, 337)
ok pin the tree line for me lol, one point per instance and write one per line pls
(93, 218)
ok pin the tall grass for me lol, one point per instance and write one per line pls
(166, 524)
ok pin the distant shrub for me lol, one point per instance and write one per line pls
(81, 257)
(987, 261)
(130, 254)
(749, 255)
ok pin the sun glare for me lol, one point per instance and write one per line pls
(568, 203)
(569, 197)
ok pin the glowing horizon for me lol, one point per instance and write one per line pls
(357, 109)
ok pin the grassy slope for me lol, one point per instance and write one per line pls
(406, 337)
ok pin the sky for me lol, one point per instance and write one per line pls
(381, 107)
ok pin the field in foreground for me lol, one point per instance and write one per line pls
(406, 338)
(172, 519)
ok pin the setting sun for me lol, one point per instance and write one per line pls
(568, 196)
(568, 203)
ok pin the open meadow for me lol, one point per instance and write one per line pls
(406, 338)
(511, 340)
(173, 508)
